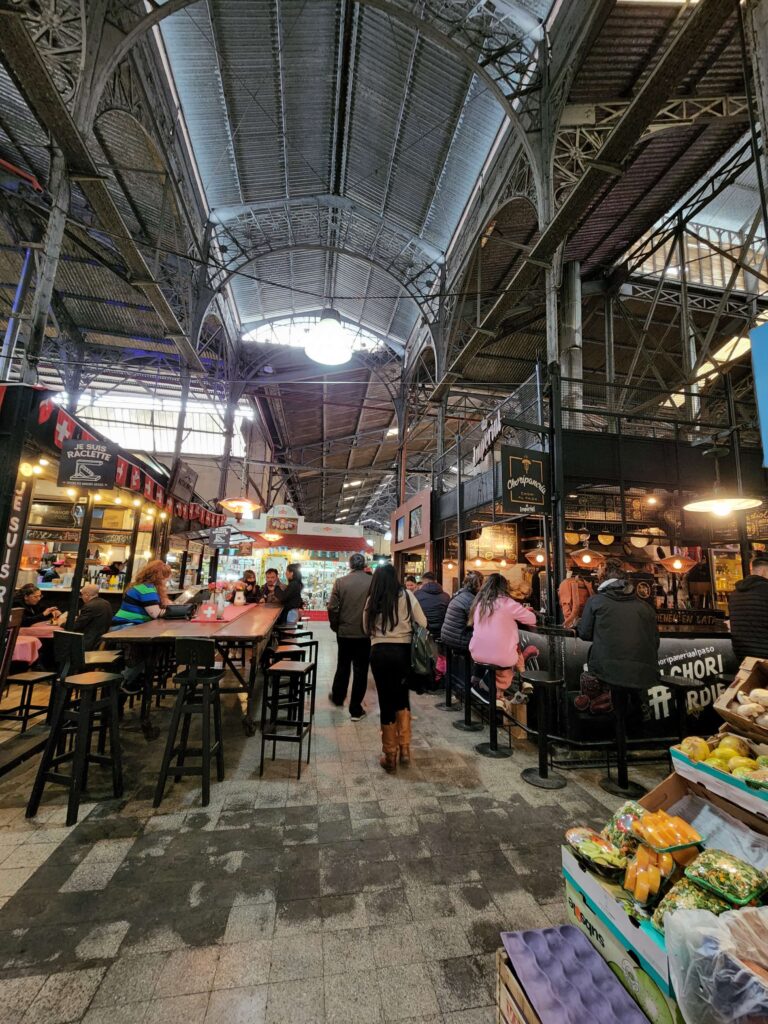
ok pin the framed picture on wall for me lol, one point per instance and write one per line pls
(400, 530)
(414, 523)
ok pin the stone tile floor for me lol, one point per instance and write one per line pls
(350, 896)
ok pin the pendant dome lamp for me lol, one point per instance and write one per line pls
(678, 563)
(329, 341)
(239, 507)
(537, 556)
(586, 558)
(722, 502)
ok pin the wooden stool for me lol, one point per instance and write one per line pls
(290, 699)
(291, 633)
(543, 684)
(96, 694)
(285, 652)
(198, 694)
(25, 709)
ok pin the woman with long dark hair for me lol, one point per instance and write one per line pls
(290, 596)
(495, 637)
(388, 619)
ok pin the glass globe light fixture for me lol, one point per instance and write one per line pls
(329, 342)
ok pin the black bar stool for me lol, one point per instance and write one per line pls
(82, 700)
(286, 685)
(284, 652)
(681, 687)
(466, 724)
(27, 681)
(198, 694)
(291, 633)
(544, 685)
(622, 786)
(491, 748)
(313, 649)
(447, 704)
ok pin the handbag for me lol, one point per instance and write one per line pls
(423, 649)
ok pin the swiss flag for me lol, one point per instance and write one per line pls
(135, 479)
(65, 428)
(44, 410)
(121, 473)
(85, 436)
(194, 512)
(159, 495)
(149, 488)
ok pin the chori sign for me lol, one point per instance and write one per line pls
(525, 480)
(490, 430)
(88, 464)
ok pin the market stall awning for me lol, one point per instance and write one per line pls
(312, 542)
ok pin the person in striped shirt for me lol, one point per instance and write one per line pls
(145, 598)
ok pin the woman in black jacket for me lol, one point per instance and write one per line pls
(28, 598)
(457, 626)
(290, 597)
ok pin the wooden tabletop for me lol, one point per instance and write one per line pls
(252, 623)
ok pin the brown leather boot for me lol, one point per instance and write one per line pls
(388, 759)
(404, 736)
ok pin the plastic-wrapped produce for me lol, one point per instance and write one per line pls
(686, 895)
(619, 828)
(719, 966)
(727, 876)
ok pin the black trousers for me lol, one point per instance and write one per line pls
(391, 664)
(354, 653)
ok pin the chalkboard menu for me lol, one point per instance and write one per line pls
(606, 508)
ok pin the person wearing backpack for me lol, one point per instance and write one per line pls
(389, 617)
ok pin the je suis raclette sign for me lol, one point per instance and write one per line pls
(525, 480)
(87, 464)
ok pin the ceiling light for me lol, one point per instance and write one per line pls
(272, 538)
(71, 492)
(136, 502)
(370, 543)
(163, 515)
(239, 507)
(44, 462)
(329, 342)
(639, 540)
(587, 558)
(503, 563)
(98, 497)
(652, 500)
(118, 501)
(388, 535)
(605, 539)
(571, 537)
(478, 562)
(722, 505)
(678, 563)
(537, 556)
(392, 432)
(25, 469)
(37, 470)
(354, 483)
(449, 565)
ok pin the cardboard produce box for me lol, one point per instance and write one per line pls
(752, 675)
(734, 790)
(597, 906)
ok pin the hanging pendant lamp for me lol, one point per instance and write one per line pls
(722, 502)
(586, 558)
(537, 557)
(678, 563)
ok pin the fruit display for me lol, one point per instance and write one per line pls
(759, 779)
(728, 754)
(596, 851)
(619, 829)
(727, 876)
(686, 895)
(646, 874)
(665, 833)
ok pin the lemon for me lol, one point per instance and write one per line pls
(737, 743)
(719, 763)
(743, 762)
(695, 748)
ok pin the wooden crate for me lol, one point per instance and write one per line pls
(512, 1003)
(752, 675)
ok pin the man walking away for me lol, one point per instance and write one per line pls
(748, 605)
(345, 616)
(434, 603)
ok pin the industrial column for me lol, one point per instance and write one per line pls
(571, 354)
(14, 320)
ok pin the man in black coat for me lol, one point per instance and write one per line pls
(434, 602)
(748, 606)
(623, 631)
(457, 629)
(95, 617)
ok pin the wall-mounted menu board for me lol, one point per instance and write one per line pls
(606, 508)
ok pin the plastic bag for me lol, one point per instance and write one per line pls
(719, 965)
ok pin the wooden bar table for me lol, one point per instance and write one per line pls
(250, 625)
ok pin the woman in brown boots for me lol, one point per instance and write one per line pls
(387, 619)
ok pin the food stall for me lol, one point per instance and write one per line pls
(69, 496)
(280, 537)
(412, 548)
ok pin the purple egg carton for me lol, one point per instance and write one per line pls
(566, 979)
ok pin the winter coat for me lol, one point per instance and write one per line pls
(748, 605)
(624, 635)
(573, 595)
(345, 607)
(290, 598)
(495, 637)
(434, 603)
(457, 630)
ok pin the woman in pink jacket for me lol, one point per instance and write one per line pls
(495, 638)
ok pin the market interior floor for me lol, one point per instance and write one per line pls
(348, 896)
